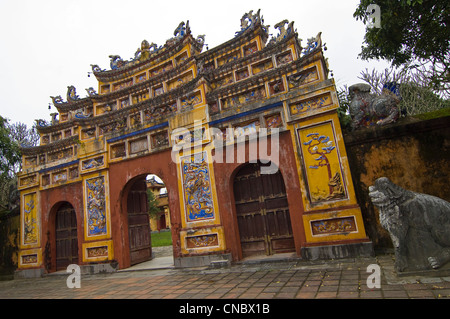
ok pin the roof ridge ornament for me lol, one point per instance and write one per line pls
(57, 100)
(182, 29)
(314, 43)
(201, 39)
(82, 114)
(91, 91)
(96, 68)
(41, 123)
(248, 21)
(116, 62)
(72, 94)
(146, 51)
(283, 31)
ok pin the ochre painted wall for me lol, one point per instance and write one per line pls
(413, 155)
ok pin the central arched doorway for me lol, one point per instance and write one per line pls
(66, 236)
(262, 212)
(139, 233)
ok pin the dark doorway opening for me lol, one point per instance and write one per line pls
(262, 212)
(66, 236)
(138, 223)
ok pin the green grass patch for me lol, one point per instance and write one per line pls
(435, 114)
(162, 239)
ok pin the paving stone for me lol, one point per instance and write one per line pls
(395, 294)
(347, 280)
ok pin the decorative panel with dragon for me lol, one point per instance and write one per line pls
(30, 230)
(96, 215)
(322, 164)
(197, 189)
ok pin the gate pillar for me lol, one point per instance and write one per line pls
(201, 234)
(332, 217)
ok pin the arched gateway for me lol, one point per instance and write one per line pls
(194, 118)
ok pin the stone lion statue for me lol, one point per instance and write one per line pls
(418, 224)
(366, 108)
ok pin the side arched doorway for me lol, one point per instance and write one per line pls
(262, 212)
(66, 238)
(139, 233)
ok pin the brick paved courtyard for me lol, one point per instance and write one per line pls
(345, 279)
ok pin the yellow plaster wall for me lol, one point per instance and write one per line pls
(91, 146)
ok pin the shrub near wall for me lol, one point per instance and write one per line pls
(414, 154)
(9, 235)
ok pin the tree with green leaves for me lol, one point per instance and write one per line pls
(414, 34)
(12, 136)
(9, 150)
(9, 159)
(153, 209)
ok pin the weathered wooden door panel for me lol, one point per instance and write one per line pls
(139, 233)
(66, 237)
(279, 202)
(249, 207)
(262, 212)
(282, 245)
(280, 231)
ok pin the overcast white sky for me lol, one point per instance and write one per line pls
(48, 45)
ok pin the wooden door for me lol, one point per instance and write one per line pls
(139, 233)
(262, 212)
(66, 237)
(162, 221)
